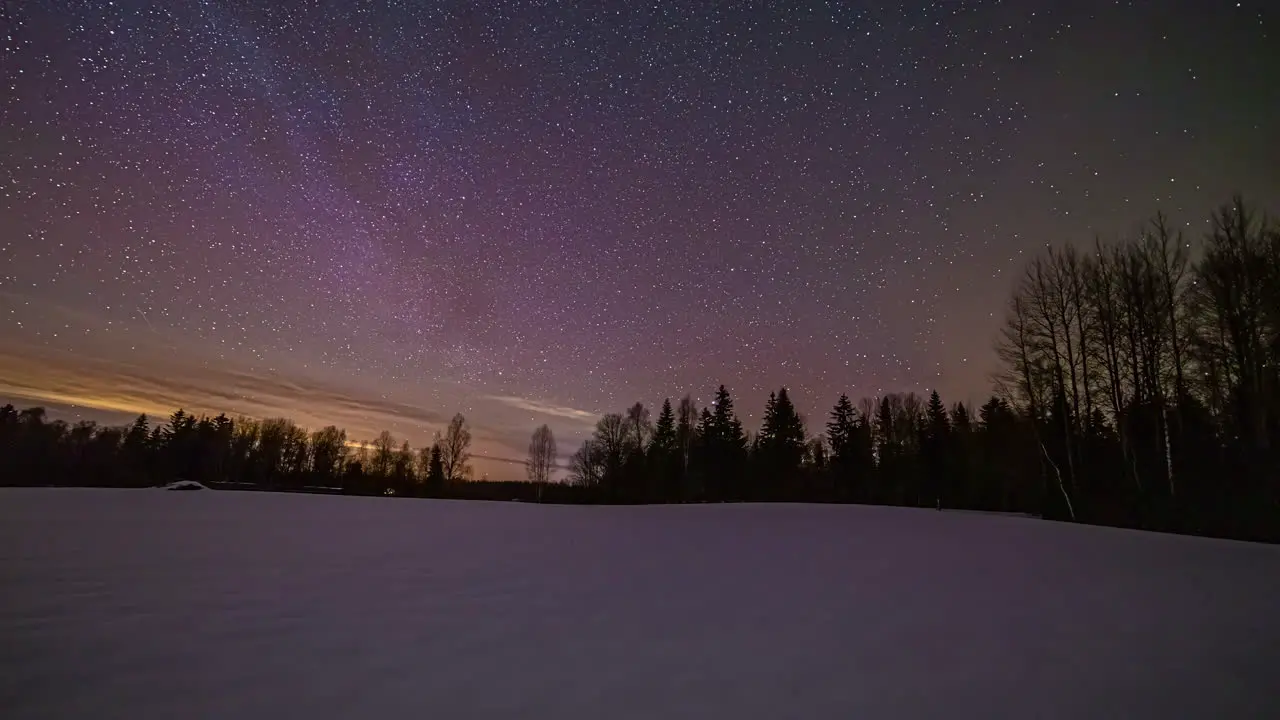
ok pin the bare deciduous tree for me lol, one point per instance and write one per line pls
(384, 451)
(328, 453)
(1233, 294)
(455, 446)
(542, 458)
(638, 426)
(686, 430)
(587, 466)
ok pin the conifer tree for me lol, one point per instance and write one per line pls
(664, 460)
(723, 448)
(728, 428)
(841, 434)
(936, 413)
(134, 450)
(936, 446)
(840, 428)
(782, 443)
(765, 435)
(664, 432)
(706, 425)
(435, 470)
(789, 433)
(138, 432)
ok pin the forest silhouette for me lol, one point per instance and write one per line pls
(1138, 386)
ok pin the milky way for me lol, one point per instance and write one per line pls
(381, 214)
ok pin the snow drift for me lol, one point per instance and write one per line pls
(259, 605)
(184, 485)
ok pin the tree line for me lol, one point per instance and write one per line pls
(899, 449)
(271, 454)
(1138, 386)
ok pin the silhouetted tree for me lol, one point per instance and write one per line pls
(587, 466)
(382, 460)
(436, 477)
(613, 440)
(404, 479)
(542, 458)
(664, 457)
(781, 445)
(455, 450)
(638, 425)
(686, 440)
(136, 452)
(328, 453)
(937, 449)
(841, 441)
(724, 446)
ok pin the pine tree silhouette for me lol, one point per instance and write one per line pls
(841, 441)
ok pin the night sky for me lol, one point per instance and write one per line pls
(379, 214)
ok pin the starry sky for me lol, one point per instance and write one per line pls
(376, 214)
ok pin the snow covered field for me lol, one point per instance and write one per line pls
(147, 604)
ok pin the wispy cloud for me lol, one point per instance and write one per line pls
(128, 388)
(157, 382)
(543, 408)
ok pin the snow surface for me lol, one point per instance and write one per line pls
(133, 604)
